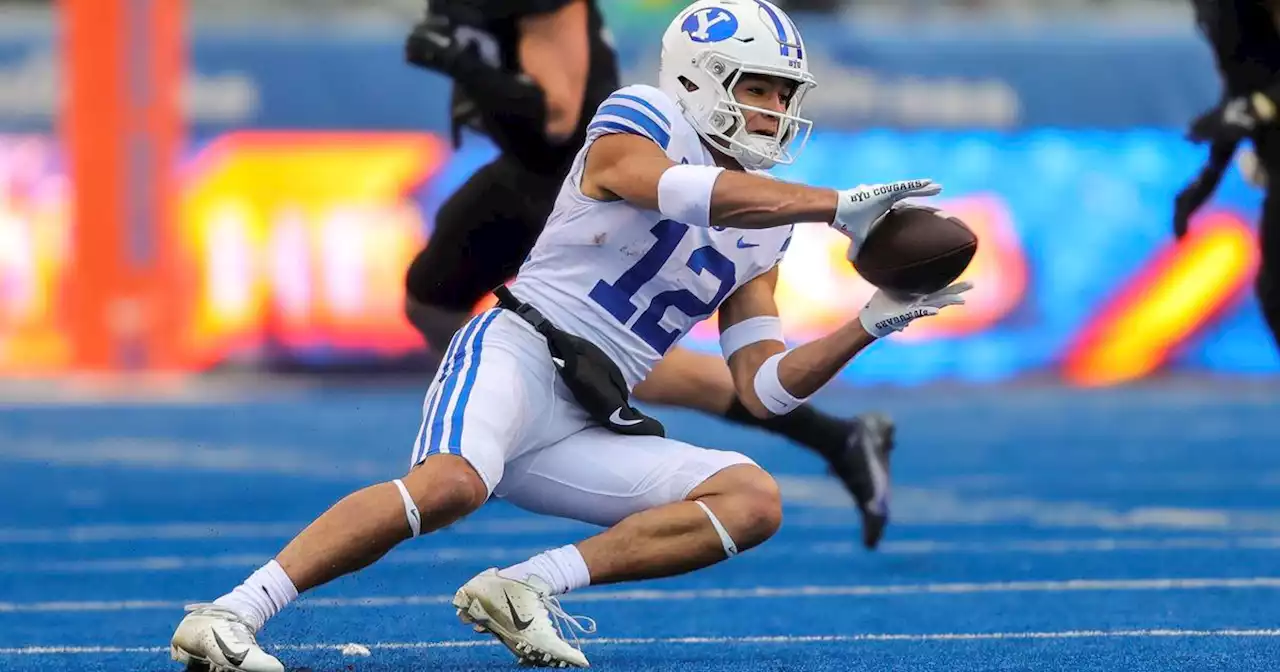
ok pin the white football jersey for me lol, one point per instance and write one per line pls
(623, 277)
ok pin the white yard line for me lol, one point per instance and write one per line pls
(784, 640)
(705, 594)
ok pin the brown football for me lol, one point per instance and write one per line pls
(916, 249)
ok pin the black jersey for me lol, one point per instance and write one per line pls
(492, 27)
(1245, 41)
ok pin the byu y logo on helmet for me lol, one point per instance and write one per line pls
(711, 24)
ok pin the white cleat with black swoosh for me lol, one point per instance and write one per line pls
(218, 640)
(524, 616)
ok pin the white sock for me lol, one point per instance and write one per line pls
(561, 568)
(261, 596)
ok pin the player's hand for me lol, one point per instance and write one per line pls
(431, 45)
(1198, 191)
(885, 314)
(1184, 206)
(1233, 119)
(861, 208)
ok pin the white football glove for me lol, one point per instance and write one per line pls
(885, 314)
(861, 208)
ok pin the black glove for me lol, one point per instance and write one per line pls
(431, 45)
(1202, 187)
(1234, 119)
(1184, 206)
(513, 101)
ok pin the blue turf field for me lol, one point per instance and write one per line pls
(1134, 530)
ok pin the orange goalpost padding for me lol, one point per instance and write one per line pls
(121, 125)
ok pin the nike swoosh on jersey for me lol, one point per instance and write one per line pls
(743, 244)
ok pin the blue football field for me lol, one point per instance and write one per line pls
(1035, 528)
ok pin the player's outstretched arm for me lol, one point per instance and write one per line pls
(751, 336)
(632, 168)
(771, 380)
(635, 169)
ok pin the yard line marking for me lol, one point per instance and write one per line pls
(176, 563)
(650, 595)
(816, 504)
(221, 530)
(631, 641)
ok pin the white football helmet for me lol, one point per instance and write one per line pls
(713, 43)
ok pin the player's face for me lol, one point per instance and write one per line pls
(767, 93)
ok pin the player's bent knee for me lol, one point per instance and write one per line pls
(752, 503)
(437, 325)
(760, 506)
(446, 485)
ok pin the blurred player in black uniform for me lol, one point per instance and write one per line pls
(529, 74)
(1246, 44)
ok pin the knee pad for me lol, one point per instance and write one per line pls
(443, 277)
(481, 235)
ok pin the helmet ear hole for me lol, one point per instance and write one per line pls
(723, 123)
(688, 85)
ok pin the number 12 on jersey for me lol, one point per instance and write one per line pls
(617, 298)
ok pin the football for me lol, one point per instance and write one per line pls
(916, 249)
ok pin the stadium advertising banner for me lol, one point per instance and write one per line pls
(297, 242)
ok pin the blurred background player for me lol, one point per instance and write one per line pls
(530, 75)
(1245, 38)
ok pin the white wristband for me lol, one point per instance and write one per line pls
(746, 332)
(684, 193)
(769, 388)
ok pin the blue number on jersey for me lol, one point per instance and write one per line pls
(616, 298)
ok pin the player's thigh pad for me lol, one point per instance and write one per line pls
(600, 477)
(490, 394)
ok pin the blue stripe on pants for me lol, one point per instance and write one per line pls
(420, 444)
(469, 354)
(455, 430)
